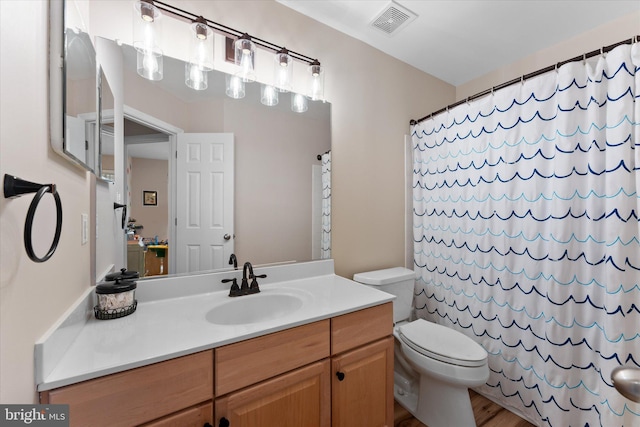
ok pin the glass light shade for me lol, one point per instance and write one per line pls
(299, 103)
(147, 30)
(268, 95)
(195, 77)
(317, 81)
(149, 65)
(235, 87)
(283, 71)
(245, 52)
(201, 45)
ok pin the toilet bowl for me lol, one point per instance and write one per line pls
(434, 365)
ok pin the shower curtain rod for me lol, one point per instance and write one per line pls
(319, 156)
(524, 77)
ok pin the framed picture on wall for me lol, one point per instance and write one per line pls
(150, 198)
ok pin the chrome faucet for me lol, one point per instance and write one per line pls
(245, 288)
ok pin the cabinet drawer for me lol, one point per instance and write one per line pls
(248, 362)
(355, 329)
(138, 395)
(192, 417)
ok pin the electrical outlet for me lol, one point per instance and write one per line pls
(85, 228)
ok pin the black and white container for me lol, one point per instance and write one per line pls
(116, 295)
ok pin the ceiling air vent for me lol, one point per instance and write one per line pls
(393, 18)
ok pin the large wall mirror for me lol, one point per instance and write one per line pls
(276, 174)
(279, 188)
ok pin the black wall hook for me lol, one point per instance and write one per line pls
(16, 187)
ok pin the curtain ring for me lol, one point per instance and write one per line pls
(28, 225)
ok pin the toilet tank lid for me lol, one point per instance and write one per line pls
(384, 277)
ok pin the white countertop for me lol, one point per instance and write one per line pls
(162, 329)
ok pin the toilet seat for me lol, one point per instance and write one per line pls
(441, 343)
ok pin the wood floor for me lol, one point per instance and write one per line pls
(487, 414)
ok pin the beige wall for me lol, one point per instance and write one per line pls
(273, 181)
(610, 33)
(373, 98)
(33, 295)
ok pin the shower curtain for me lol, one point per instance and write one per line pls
(325, 240)
(526, 230)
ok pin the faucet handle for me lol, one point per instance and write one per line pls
(235, 289)
(254, 288)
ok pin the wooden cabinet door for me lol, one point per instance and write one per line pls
(295, 399)
(362, 386)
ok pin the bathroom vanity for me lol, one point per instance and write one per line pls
(329, 362)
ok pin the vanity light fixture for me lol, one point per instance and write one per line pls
(299, 103)
(283, 71)
(268, 95)
(317, 81)
(245, 53)
(200, 55)
(147, 31)
(147, 28)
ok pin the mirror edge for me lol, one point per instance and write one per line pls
(57, 83)
(56, 75)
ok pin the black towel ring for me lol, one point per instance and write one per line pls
(124, 213)
(15, 187)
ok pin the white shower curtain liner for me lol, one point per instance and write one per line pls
(527, 236)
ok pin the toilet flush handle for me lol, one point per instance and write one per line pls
(340, 375)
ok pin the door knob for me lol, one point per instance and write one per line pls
(226, 237)
(626, 380)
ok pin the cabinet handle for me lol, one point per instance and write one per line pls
(224, 422)
(340, 375)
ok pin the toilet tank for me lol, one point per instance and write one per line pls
(398, 281)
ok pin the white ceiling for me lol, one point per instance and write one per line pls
(459, 40)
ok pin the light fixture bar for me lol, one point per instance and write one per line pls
(223, 29)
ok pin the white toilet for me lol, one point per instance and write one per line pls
(434, 365)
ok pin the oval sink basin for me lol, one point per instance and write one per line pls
(253, 308)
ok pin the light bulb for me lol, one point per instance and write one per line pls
(235, 87)
(298, 103)
(195, 77)
(150, 63)
(269, 95)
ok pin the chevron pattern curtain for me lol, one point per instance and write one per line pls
(527, 236)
